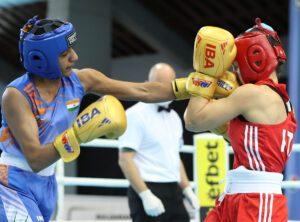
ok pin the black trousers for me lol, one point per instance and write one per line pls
(172, 198)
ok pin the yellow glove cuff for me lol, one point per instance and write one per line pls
(222, 131)
(179, 89)
(67, 145)
(201, 85)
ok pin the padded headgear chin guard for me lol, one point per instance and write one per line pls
(259, 51)
(41, 42)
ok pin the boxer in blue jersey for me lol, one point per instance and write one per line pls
(39, 111)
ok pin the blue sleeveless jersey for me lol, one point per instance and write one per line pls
(52, 118)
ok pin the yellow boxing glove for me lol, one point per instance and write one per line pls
(105, 117)
(222, 130)
(179, 89)
(226, 84)
(201, 85)
(214, 52)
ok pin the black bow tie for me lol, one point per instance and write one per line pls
(162, 108)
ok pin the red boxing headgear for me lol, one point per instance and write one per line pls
(259, 51)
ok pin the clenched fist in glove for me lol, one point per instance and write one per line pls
(226, 84)
(105, 117)
(214, 52)
(189, 194)
(222, 131)
(152, 205)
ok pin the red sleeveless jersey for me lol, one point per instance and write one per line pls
(263, 147)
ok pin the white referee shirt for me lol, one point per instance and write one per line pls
(157, 138)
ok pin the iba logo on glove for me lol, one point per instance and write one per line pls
(87, 117)
(210, 54)
(201, 82)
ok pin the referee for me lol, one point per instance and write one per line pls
(149, 158)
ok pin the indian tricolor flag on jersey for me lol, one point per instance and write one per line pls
(73, 104)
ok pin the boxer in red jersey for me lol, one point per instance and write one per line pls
(261, 130)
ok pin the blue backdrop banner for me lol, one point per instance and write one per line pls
(292, 171)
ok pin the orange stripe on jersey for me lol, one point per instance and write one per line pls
(13, 140)
(41, 124)
(58, 101)
(5, 181)
(64, 96)
(37, 114)
(35, 101)
(73, 101)
(28, 86)
(3, 166)
(45, 121)
(43, 110)
(32, 95)
(34, 106)
(5, 135)
(29, 90)
(3, 174)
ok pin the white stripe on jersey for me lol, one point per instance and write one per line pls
(251, 148)
(256, 149)
(289, 106)
(266, 208)
(247, 151)
(283, 140)
(271, 208)
(260, 206)
(290, 136)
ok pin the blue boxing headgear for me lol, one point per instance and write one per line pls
(41, 42)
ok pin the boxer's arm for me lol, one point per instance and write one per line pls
(202, 115)
(95, 81)
(23, 125)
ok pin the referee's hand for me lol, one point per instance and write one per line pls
(152, 205)
(191, 197)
